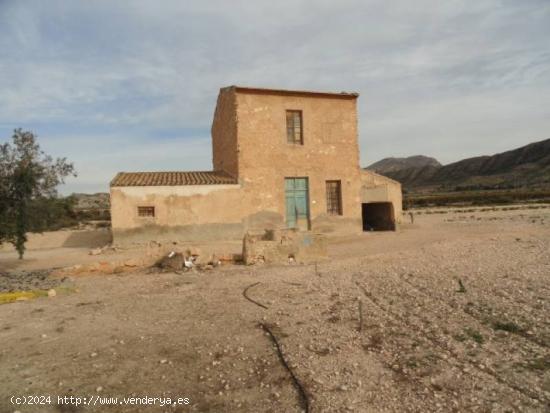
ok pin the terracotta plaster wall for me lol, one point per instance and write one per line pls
(224, 134)
(330, 152)
(378, 188)
(191, 213)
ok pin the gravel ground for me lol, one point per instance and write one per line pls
(27, 280)
(451, 314)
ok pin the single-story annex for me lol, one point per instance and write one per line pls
(281, 159)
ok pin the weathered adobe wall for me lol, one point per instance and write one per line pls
(186, 213)
(378, 188)
(330, 152)
(396, 197)
(262, 158)
(192, 212)
(224, 134)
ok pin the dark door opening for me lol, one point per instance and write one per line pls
(378, 216)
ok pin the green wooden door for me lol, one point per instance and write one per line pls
(297, 203)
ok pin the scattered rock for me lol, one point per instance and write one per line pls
(214, 261)
(27, 280)
(174, 261)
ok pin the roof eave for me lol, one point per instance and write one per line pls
(287, 92)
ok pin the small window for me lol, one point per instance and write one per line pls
(146, 211)
(334, 198)
(294, 131)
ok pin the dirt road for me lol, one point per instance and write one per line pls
(451, 314)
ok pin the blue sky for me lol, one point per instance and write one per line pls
(132, 85)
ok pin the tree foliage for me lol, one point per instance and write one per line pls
(52, 214)
(27, 174)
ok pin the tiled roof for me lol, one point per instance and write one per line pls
(172, 178)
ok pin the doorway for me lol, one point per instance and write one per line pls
(378, 216)
(297, 203)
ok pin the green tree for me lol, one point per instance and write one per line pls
(52, 214)
(26, 174)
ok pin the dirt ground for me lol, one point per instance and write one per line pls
(449, 314)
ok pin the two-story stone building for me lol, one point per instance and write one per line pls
(281, 159)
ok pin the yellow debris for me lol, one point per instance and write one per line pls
(21, 295)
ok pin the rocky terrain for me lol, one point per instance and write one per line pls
(450, 314)
(27, 280)
(525, 167)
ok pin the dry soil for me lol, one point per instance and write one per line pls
(450, 313)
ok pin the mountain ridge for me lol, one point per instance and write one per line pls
(393, 164)
(526, 166)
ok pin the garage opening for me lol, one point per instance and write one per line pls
(378, 216)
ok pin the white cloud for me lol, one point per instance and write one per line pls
(98, 158)
(430, 73)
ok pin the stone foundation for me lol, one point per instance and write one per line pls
(283, 247)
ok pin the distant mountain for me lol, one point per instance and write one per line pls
(525, 167)
(392, 165)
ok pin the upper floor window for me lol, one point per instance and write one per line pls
(294, 130)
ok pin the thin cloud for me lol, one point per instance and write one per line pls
(447, 79)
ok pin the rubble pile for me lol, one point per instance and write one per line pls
(190, 260)
(283, 247)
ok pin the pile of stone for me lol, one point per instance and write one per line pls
(283, 247)
(180, 262)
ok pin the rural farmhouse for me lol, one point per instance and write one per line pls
(281, 159)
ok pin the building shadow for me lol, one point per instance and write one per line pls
(88, 239)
